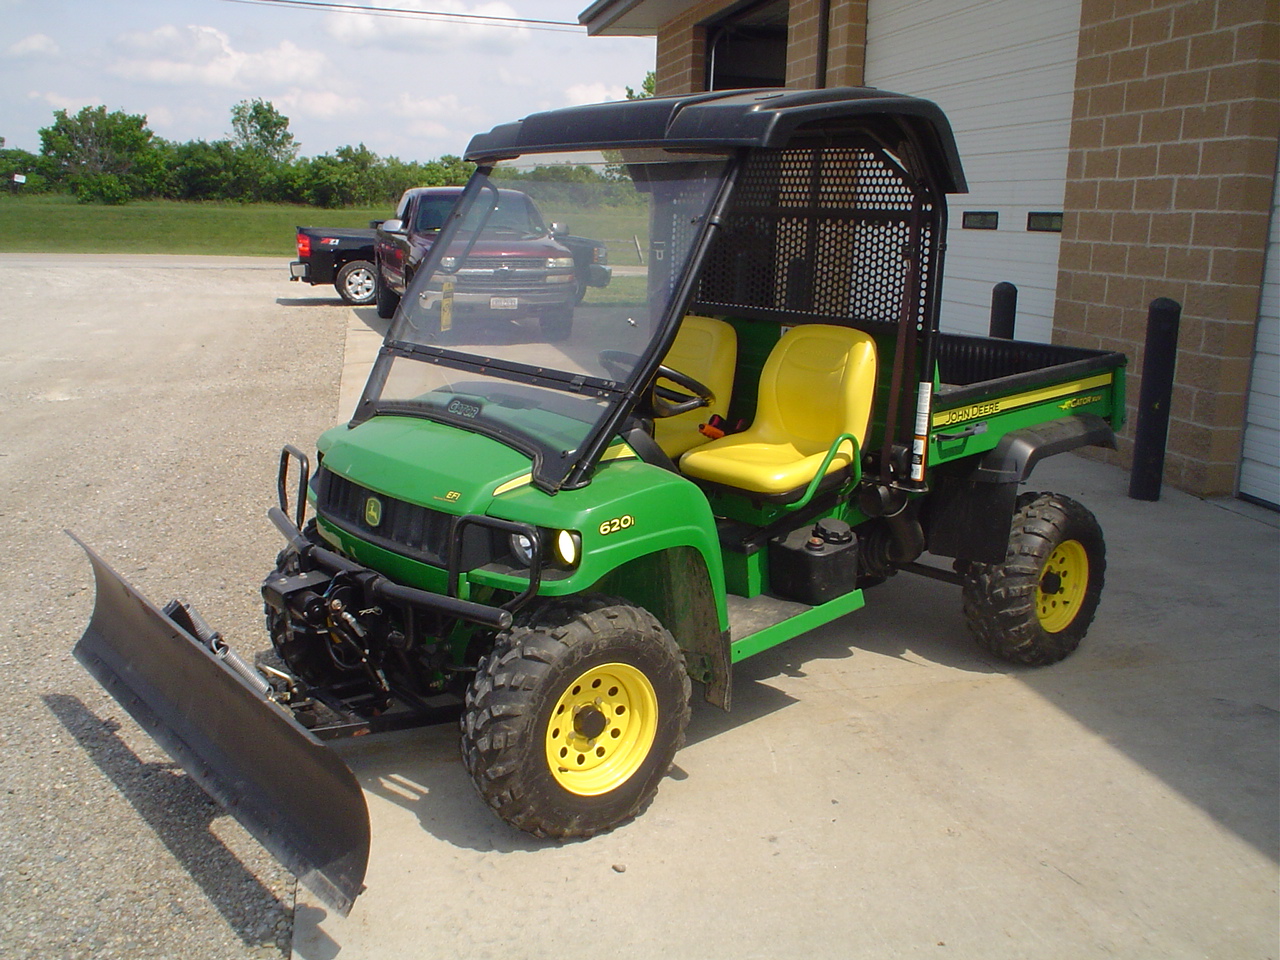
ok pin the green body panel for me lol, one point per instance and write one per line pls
(629, 510)
(432, 464)
(1101, 394)
(755, 339)
(746, 574)
(781, 632)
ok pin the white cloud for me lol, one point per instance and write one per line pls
(36, 45)
(412, 107)
(406, 31)
(318, 104)
(204, 56)
(581, 93)
(60, 102)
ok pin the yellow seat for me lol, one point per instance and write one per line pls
(707, 350)
(818, 383)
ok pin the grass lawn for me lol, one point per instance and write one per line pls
(58, 224)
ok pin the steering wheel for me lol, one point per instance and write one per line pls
(664, 401)
(671, 403)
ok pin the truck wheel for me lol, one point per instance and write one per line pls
(1036, 607)
(574, 717)
(356, 282)
(557, 326)
(386, 299)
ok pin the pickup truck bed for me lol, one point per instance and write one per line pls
(342, 257)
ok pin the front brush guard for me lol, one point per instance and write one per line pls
(285, 787)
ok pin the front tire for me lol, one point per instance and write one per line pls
(357, 283)
(575, 717)
(385, 299)
(1036, 607)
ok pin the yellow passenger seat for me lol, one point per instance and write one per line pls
(707, 350)
(817, 384)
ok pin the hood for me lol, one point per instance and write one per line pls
(431, 464)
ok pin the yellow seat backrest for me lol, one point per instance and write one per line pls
(707, 350)
(818, 383)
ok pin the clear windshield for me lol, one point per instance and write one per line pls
(546, 286)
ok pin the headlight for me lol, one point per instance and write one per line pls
(560, 263)
(568, 547)
(522, 547)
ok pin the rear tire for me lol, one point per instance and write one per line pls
(357, 283)
(575, 716)
(1036, 607)
(386, 299)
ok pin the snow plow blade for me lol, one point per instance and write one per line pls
(293, 794)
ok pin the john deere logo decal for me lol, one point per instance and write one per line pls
(373, 511)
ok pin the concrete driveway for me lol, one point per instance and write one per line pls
(881, 789)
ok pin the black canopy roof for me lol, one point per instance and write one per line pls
(727, 119)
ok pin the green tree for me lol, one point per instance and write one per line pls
(646, 88)
(259, 127)
(107, 157)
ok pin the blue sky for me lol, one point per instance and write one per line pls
(403, 86)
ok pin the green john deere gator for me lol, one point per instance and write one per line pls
(552, 537)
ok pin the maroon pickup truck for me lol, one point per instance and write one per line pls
(510, 264)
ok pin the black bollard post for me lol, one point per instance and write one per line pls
(1158, 359)
(1004, 310)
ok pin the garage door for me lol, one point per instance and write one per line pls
(1260, 465)
(1004, 72)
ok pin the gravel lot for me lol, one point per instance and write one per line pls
(144, 403)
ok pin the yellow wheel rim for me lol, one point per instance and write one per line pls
(601, 729)
(1062, 586)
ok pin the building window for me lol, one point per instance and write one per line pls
(980, 219)
(1045, 222)
(748, 47)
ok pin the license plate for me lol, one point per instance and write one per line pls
(504, 303)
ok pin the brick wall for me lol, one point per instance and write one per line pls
(802, 43)
(681, 58)
(847, 59)
(682, 49)
(1169, 183)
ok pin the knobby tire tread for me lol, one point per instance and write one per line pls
(1000, 599)
(501, 732)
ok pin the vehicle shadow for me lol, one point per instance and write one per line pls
(369, 317)
(421, 771)
(907, 620)
(179, 811)
(311, 301)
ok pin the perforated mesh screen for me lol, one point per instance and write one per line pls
(821, 233)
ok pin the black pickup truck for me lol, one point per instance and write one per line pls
(342, 257)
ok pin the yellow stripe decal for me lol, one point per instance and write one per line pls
(520, 481)
(989, 408)
(619, 451)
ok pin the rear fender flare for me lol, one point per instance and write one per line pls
(970, 509)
